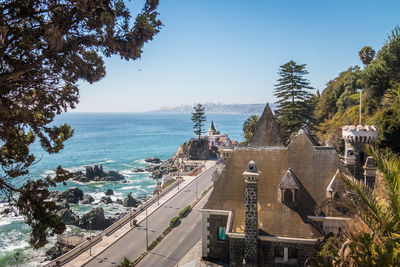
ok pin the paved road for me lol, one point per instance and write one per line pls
(178, 242)
(134, 242)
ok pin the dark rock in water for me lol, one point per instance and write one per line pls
(137, 170)
(67, 216)
(154, 160)
(106, 200)
(97, 174)
(119, 201)
(87, 199)
(71, 195)
(97, 219)
(56, 251)
(62, 205)
(109, 192)
(131, 201)
(158, 171)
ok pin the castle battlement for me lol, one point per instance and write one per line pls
(360, 134)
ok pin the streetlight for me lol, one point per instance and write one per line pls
(17, 257)
(147, 232)
(90, 237)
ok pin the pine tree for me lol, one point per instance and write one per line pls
(198, 118)
(295, 102)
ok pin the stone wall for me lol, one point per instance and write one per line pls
(218, 249)
(251, 223)
(236, 249)
(266, 252)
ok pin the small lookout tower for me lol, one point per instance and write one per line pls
(356, 137)
(212, 131)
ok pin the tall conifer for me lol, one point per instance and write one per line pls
(198, 118)
(295, 102)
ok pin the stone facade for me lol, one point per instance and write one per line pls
(251, 223)
(217, 249)
(269, 253)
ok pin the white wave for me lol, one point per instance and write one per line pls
(141, 162)
(127, 165)
(152, 186)
(11, 246)
(137, 187)
(104, 162)
(4, 220)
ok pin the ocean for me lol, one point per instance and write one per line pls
(117, 141)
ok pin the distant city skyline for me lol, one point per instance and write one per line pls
(230, 51)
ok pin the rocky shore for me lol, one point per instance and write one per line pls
(97, 174)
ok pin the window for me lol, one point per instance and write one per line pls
(221, 233)
(288, 197)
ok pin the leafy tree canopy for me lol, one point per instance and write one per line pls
(249, 126)
(295, 102)
(46, 47)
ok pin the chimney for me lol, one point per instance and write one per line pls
(251, 215)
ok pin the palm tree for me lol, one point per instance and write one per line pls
(373, 237)
(249, 126)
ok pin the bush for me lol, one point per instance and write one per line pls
(173, 221)
(184, 211)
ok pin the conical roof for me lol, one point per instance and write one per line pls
(267, 131)
(212, 128)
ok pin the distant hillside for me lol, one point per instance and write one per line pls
(218, 108)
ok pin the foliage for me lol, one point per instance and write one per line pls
(183, 212)
(295, 102)
(338, 95)
(249, 126)
(366, 54)
(388, 123)
(198, 118)
(374, 236)
(46, 47)
(383, 73)
(126, 263)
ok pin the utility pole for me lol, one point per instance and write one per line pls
(360, 105)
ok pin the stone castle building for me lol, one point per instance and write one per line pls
(267, 207)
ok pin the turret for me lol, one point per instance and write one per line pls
(251, 215)
(356, 137)
(212, 131)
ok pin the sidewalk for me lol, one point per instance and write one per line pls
(107, 241)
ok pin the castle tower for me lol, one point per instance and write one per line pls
(251, 215)
(356, 137)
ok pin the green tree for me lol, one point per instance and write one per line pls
(46, 47)
(295, 102)
(373, 238)
(198, 119)
(366, 54)
(249, 126)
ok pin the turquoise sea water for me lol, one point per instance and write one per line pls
(118, 142)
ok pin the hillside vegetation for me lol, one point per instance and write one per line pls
(379, 81)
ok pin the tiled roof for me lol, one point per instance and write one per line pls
(313, 168)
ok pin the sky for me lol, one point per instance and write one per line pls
(229, 51)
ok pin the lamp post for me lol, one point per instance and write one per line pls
(17, 257)
(147, 230)
(90, 237)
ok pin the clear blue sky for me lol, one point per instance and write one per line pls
(230, 51)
